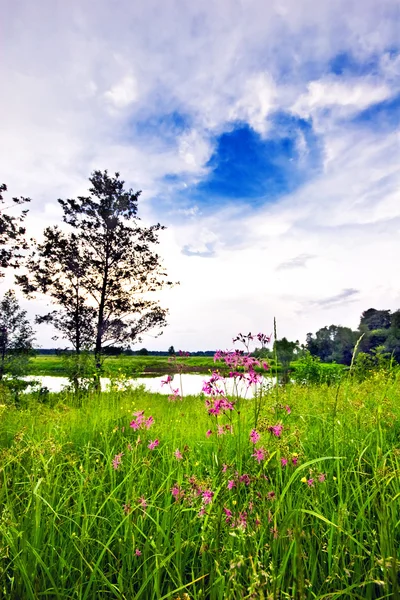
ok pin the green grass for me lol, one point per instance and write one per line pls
(64, 532)
(128, 365)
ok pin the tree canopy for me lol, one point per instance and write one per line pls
(102, 272)
(12, 233)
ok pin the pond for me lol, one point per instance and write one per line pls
(188, 383)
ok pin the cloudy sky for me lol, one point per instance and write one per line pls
(264, 134)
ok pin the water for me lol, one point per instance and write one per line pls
(191, 384)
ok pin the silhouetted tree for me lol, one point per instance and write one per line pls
(12, 233)
(16, 343)
(118, 266)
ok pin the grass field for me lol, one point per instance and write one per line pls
(136, 365)
(128, 365)
(89, 511)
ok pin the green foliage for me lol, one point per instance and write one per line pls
(16, 345)
(71, 527)
(12, 234)
(309, 370)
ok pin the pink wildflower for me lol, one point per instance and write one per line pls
(274, 532)
(231, 484)
(178, 455)
(207, 496)
(271, 495)
(228, 514)
(201, 512)
(321, 477)
(276, 429)
(208, 433)
(221, 430)
(284, 462)
(224, 468)
(167, 380)
(288, 409)
(259, 454)
(149, 422)
(295, 460)
(254, 436)
(310, 482)
(153, 445)
(129, 447)
(116, 462)
(137, 552)
(245, 478)
(142, 502)
(127, 508)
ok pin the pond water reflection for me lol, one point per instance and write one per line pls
(188, 384)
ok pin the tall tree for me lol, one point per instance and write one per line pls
(12, 233)
(119, 267)
(16, 343)
(57, 268)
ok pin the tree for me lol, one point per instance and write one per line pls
(16, 343)
(285, 351)
(171, 350)
(12, 234)
(118, 267)
(374, 319)
(57, 268)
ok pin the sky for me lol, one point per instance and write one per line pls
(264, 135)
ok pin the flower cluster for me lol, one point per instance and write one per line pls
(140, 422)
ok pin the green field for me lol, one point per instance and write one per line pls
(128, 365)
(137, 365)
(324, 524)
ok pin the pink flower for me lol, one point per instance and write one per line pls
(275, 532)
(245, 479)
(177, 492)
(116, 462)
(310, 482)
(271, 495)
(276, 429)
(221, 430)
(208, 433)
(127, 508)
(167, 380)
(137, 552)
(224, 468)
(231, 484)
(129, 447)
(135, 424)
(284, 462)
(321, 477)
(259, 454)
(288, 409)
(153, 445)
(142, 502)
(207, 496)
(149, 422)
(201, 512)
(294, 460)
(228, 514)
(178, 455)
(254, 436)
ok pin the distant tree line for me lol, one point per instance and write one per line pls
(380, 331)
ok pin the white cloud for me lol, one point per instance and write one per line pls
(347, 96)
(123, 93)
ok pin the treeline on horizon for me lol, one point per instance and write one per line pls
(378, 332)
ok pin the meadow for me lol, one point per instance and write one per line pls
(128, 495)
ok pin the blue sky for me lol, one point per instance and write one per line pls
(264, 135)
